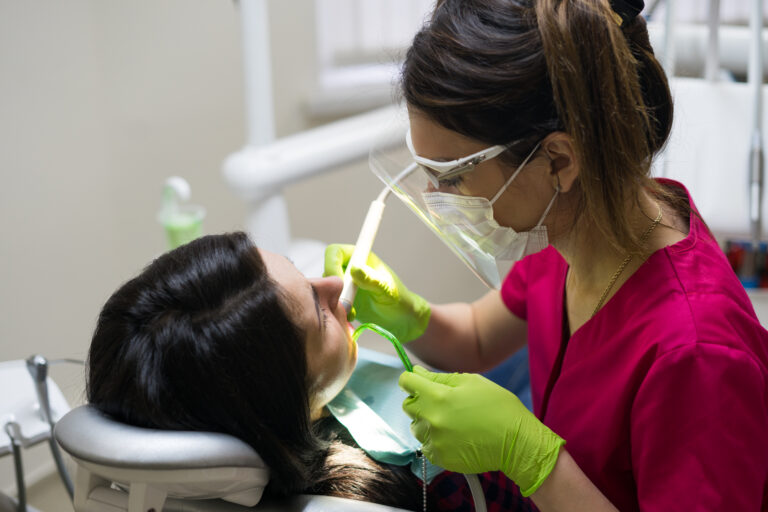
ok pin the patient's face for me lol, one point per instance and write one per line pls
(331, 353)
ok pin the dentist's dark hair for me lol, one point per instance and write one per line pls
(203, 340)
(512, 71)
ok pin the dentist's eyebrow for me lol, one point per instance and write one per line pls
(441, 159)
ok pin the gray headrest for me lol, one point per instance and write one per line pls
(89, 435)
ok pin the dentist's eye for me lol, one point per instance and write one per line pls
(451, 182)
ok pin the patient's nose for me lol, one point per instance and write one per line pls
(329, 290)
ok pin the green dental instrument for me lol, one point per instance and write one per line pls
(388, 335)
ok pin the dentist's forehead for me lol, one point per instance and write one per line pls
(435, 142)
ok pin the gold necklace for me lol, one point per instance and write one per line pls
(624, 263)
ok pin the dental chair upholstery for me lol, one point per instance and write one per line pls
(172, 471)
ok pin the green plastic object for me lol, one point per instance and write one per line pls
(183, 225)
(183, 222)
(388, 335)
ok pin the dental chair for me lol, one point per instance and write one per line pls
(122, 468)
(30, 404)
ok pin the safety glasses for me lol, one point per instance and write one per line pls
(438, 172)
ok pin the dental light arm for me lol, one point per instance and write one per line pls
(363, 247)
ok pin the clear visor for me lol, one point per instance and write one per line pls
(409, 180)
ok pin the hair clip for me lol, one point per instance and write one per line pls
(625, 11)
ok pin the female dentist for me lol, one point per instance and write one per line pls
(649, 368)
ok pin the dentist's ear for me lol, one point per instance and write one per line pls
(564, 167)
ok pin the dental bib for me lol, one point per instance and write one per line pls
(370, 408)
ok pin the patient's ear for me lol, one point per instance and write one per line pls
(563, 165)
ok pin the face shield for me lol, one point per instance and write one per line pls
(409, 177)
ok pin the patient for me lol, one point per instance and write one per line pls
(220, 336)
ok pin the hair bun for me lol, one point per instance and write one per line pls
(627, 9)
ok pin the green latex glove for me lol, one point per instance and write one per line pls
(381, 297)
(469, 424)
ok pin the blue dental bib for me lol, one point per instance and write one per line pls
(370, 408)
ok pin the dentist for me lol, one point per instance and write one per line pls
(535, 123)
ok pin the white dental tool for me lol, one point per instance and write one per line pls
(365, 241)
(363, 248)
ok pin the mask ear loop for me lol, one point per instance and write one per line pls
(514, 174)
(551, 202)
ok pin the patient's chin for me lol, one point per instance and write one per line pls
(322, 397)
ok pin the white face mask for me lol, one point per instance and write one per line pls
(469, 221)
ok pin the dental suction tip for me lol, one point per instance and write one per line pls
(347, 305)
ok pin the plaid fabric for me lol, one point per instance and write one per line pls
(450, 492)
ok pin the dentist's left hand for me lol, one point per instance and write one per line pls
(381, 297)
(468, 424)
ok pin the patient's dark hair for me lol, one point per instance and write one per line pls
(201, 340)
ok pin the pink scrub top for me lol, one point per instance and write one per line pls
(662, 396)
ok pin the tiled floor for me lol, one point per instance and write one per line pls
(49, 495)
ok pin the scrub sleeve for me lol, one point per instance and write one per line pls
(662, 396)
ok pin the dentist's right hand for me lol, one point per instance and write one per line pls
(381, 297)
